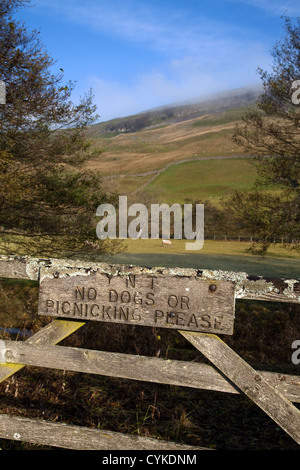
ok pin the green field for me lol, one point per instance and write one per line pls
(173, 151)
(210, 247)
(252, 265)
(202, 180)
(226, 256)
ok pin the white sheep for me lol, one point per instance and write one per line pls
(166, 243)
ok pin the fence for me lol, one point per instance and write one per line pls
(198, 304)
(251, 239)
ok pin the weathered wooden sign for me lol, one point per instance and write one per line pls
(146, 299)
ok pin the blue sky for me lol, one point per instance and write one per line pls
(137, 54)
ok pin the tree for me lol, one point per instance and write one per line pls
(47, 201)
(271, 134)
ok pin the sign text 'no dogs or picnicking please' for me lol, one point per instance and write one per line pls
(177, 301)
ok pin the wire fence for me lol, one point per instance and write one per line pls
(251, 239)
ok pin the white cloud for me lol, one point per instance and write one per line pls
(184, 79)
(161, 28)
(201, 56)
(198, 55)
(113, 99)
(129, 20)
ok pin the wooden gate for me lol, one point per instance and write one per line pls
(198, 304)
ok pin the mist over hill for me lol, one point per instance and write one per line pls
(178, 112)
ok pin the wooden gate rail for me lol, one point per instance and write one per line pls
(246, 286)
(253, 384)
(127, 366)
(272, 392)
(79, 437)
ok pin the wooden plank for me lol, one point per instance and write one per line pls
(160, 300)
(287, 384)
(52, 334)
(247, 286)
(148, 369)
(79, 437)
(269, 289)
(20, 268)
(249, 381)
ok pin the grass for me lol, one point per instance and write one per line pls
(153, 149)
(234, 248)
(231, 115)
(124, 185)
(217, 255)
(199, 180)
(202, 180)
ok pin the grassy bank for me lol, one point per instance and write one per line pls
(226, 256)
(202, 180)
(235, 248)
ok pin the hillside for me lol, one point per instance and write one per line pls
(153, 148)
(133, 160)
(178, 112)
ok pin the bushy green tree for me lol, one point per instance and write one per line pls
(47, 201)
(271, 134)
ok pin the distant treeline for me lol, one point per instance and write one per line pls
(218, 222)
